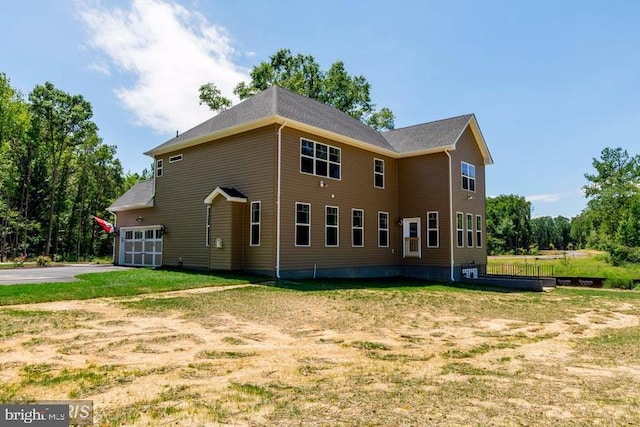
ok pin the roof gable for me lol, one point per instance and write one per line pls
(436, 136)
(231, 194)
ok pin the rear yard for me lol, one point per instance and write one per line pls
(332, 355)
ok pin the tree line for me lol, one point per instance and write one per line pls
(610, 221)
(55, 173)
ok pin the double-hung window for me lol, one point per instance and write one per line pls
(469, 230)
(303, 224)
(479, 231)
(357, 227)
(468, 177)
(432, 230)
(383, 229)
(460, 228)
(378, 173)
(331, 226)
(255, 224)
(159, 167)
(319, 159)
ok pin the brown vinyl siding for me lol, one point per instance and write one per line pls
(245, 162)
(355, 189)
(424, 187)
(467, 151)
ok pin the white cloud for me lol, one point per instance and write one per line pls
(100, 67)
(544, 198)
(169, 51)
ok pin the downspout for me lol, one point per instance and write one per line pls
(278, 199)
(451, 237)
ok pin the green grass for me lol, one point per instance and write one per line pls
(115, 283)
(593, 265)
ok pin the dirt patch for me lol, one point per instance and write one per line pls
(253, 356)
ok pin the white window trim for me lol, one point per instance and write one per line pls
(207, 238)
(176, 158)
(329, 162)
(378, 173)
(327, 226)
(459, 229)
(469, 178)
(159, 168)
(353, 227)
(380, 229)
(437, 230)
(295, 241)
(252, 223)
(469, 230)
(479, 231)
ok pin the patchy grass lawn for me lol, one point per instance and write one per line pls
(115, 283)
(333, 353)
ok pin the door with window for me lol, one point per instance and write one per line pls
(141, 247)
(411, 237)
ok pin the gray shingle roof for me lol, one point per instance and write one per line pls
(277, 101)
(440, 133)
(138, 196)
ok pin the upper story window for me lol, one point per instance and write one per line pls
(468, 177)
(319, 159)
(378, 173)
(175, 158)
(159, 167)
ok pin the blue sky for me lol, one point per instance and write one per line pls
(551, 82)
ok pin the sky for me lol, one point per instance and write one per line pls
(551, 82)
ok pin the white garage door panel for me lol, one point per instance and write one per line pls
(141, 246)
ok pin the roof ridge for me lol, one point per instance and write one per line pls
(428, 123)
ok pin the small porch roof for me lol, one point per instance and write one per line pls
(231, 194)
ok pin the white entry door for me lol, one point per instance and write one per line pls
(411, 235)
(141, 246)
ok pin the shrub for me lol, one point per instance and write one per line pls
(618, 283)
(43, 261)
(19, 261)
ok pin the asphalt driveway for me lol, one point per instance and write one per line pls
(67, 273)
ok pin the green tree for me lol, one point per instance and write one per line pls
(212, 97)
(610, 189)
(508, 223)
(14, 123)
(302, 74)
(61, 122)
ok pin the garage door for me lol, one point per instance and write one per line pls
(141, 247)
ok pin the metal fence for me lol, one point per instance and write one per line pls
(509, 270)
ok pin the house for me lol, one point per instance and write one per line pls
(285, 186)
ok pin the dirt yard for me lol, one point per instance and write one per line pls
(250, 355)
